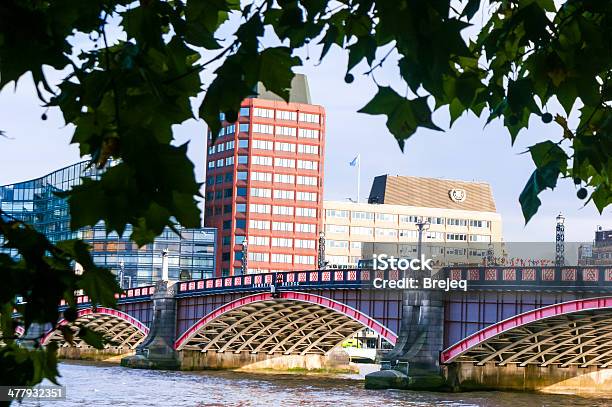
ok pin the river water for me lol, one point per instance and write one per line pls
(112, 385)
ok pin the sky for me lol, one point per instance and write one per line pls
(469, 151)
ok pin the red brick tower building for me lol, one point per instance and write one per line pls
(264, 184)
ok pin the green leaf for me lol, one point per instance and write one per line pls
(542, 178)
(92, 338)
(403, 116)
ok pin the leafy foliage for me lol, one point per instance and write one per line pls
(124, 95)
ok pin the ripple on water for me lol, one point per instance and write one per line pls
(103, 385)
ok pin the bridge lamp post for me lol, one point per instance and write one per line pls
(322, 263)
(245, 255)
(560, 241)
(421, 226)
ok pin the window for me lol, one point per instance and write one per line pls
(282, 242)
(263, 128)
(304, 259)
(284, 178)
(229, 160)
(283, 226)
(435, 220)
(286, 115)
(261, 160)
(254, 256)
(308, 165)
(229, 145)
(261, 176)
(218, 194)
(227, 193)
(231, 129)
(220, 162)
(210, 180)
(306, 212)
(263, 144)
(259, 241)
(307, 196)
(243, 143)
(455, 251)
(479, 223)
(360, 230)
(480, 238)
(408, 218)
(241, 192)
(386, 217)
(456, 236)
(284, 162)
(305, 227)
(285, 131)
(456, 222)
(259, 224)
(306, 149)
(287, 147)
(239, 239)
(221, 148)
(244, 127)
(336, 244)
(259, 208)
(242, 175)
(211, 150)
(243, 159)
(358, 215)
(336, 228)
(261, 192)
(408, 234)
(227, 224)
(211, 164)
(229, 177)
(261, 112)
(283, 194)
(245, 111)
(356, 245)
(308, 133)
(282, 210)
(225, 256)
(226, 240)
(309, 117)
(336, 213)
(281, 258)
(240, 223)
(240, 208)
(384, 232)
(303, 180)
(221, 116)
(304, 244)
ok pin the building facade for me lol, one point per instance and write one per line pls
(264, 184)
(462, 222)
(599, 253)
(189, 255)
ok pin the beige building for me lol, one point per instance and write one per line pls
(462, 217)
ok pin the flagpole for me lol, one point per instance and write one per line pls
(358, 175)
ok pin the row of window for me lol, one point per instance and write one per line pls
(264, 193)
(282, 115)
(227, 146)
(281, 258)
(389, 217)
(280, 226)
(280, 242)
(386, 232)
(283, 210)
(264, 177)
(286, 131)
(285, 147)
(231, 130)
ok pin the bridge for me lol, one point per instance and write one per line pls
(514, 327)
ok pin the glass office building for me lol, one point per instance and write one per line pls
(191, 255)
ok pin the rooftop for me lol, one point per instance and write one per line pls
(432, 193)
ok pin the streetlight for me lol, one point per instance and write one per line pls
(322, 262)
(245, 253)
(421, 225)
(560, 241)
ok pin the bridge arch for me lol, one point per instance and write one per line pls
(292, 323)
(120, 329)
(575, 333)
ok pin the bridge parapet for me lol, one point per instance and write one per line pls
(585, 278)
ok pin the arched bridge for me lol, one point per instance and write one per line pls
(509, 316)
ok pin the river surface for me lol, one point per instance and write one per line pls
(112, 385)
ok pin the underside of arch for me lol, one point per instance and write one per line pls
(294, 323)
(120, 330)
(572, 333)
